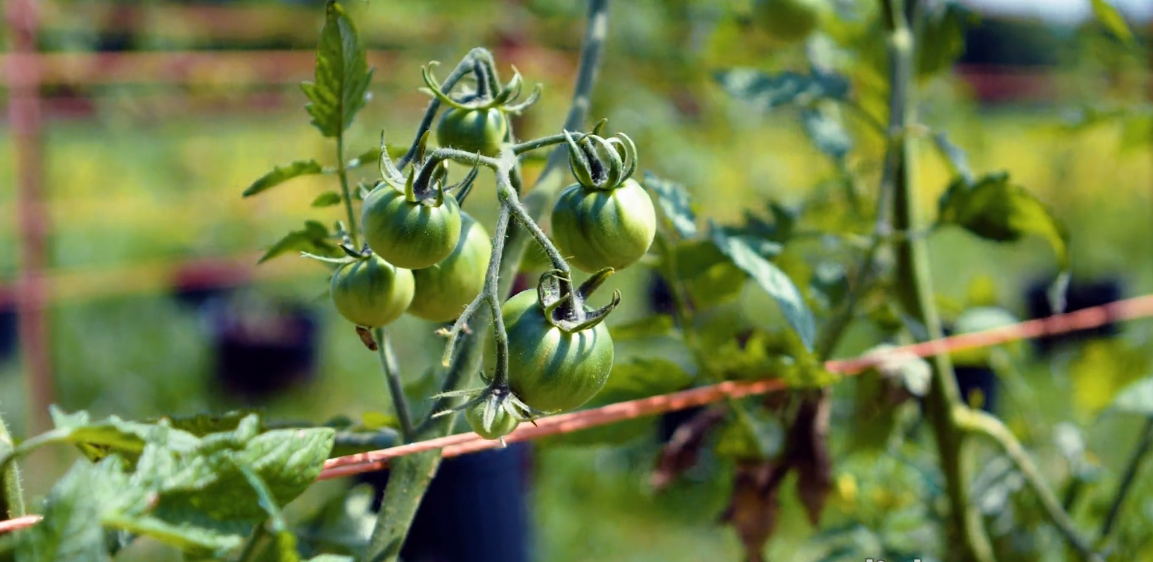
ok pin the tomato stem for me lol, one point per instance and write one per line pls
(391, 369)
(342, 173)
(462, 68)
(11, 493)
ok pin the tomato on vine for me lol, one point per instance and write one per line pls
(606, 219)
(559, 351)
(371, 292)
(445, 289)
(478, 123)
(503, 421)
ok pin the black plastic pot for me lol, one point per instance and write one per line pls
(261, 355)
(8, 333)
(475, 510)
(973, 379)
(1080, 295)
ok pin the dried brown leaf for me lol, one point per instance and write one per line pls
(808, 453)
(752, 511)
(683, 448)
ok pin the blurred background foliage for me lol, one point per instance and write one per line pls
(145, 170)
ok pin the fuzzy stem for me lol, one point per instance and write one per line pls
(512, 202)
(1127, 480)
(410, 475)
(11, 493)
(391, 371)
(462, 69)
(965, 528)
(342, 173)
(542, 142)
(493, 296)
(981, 423)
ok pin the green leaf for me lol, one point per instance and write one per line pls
(204, 424)
(314, 238)
(673, 200)
(281, 174)
(327, 199)
(379, 420)
(101, 438)
(636, 379)
(826, 129)
(342, 74)
(191, 533)
(979, 319)
(654, 326)
(751, 434)
(1137, 398)
(708, 275)
(772, 280)
(343, 525)
(945, 26)
(71, 530)
(997, 210)
(768, 92)
(1109, 17)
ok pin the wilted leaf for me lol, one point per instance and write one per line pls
(773, 281)
(768, 92)
(327, 199)
(808, 454)
(683, 448)
(1109, 17)
(826, 128)
(653, 326)
(342, 74)
(313, 238)
(1137, 398)
(753, 506)
(997, 210)
(673, 199)
(281, 174)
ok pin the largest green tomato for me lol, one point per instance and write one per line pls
(596, 228)
(550, 369)
(410, 234)
(445, 289)
(788, 20)
(371, 292)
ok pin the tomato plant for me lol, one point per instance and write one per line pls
(371, 292)
(445, 289)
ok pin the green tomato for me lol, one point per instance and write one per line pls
(599, 228)
(410, 234)
(788, 20)
(472, 130)
(550, 369)
(445, 289)
(371, 292)
(503, 423)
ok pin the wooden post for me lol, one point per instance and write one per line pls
(27, 135)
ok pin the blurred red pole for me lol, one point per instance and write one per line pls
(27, 134)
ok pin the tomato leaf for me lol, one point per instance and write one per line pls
(754, 505)
(994, 209)
(945, 27)
(1109, 17)
(955, 157)
(768, 92)
(772, 280)
(327, 199)
(314, 238)
(281, 174)
(71, 529)
(808, 454)
(113, 435)
(673, 200)
(342, 74)
(826, 129)
(708, 275)
(1137, 398)
(751, 435)
(653, 326)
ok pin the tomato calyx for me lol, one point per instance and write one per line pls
(504, 99)
(565, 308)
(494, 398)
(600, 163)
(426, 178)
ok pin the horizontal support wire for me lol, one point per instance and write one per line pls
(466, 443)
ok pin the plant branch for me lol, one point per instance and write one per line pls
(981, 423)
(534, 144)
(462, 69)
(915, 289)
(342, 173)
(391, 371)
(1127, 480)
(11, 493)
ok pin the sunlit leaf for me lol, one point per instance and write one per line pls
(769, 91)
(773, 281)
(327, 199)
(342, 74)
(71, 530)
(826, 128)
(1137, 398)
(314, 238)
(673, 200)
(281, 174)
(1109, 17)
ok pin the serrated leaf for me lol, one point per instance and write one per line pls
(1137, 398)
(768, 92)
(673, 199)
(772, 280)
(98, 439)
(204, 424)
(327, 199)
(1109, 17)
(826, 128)
(71, 530)
(191, 533)
(342, 74)
(653, 326)
(636, 379)
(314, 238)
(996, 210)
(281, 174)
